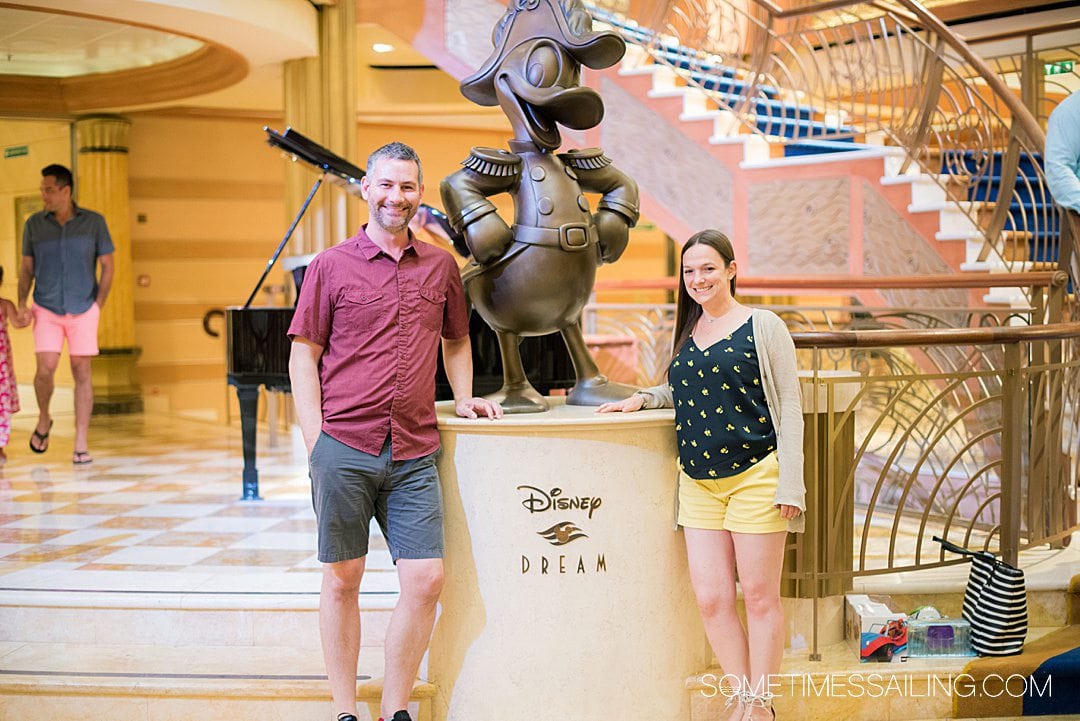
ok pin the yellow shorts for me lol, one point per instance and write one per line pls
(742, 503)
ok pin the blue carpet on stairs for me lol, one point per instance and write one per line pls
(1060, 677)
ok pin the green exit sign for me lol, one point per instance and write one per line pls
(1062, 68)
(16, 151)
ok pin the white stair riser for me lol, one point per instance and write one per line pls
(172, 627)
(895, 163)
(926, 191)
(173, 707)
(726, 124)
(663, 79)
(695, 101)
(954, 220)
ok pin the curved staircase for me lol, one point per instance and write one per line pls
(780, 143)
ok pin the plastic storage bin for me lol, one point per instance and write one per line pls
(940, 637)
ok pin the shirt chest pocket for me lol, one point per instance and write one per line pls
(363, 306)
(429, 308)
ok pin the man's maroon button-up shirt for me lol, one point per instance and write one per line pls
(379, 322)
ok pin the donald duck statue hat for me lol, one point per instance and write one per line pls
(564, 22)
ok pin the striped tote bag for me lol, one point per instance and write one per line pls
(995, 603)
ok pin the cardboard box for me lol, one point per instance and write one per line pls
(876, 631)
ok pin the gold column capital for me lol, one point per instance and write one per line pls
(102, 134)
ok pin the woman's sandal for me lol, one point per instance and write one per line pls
(41, 438)
(81, 458)
(763, 701)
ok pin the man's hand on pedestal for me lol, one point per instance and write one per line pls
(474, 407)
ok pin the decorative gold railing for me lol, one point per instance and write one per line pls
(963, 423)
(983, 451)
(878, 72)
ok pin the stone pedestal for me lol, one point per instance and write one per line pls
(567, 594)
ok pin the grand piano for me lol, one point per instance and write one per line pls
(257, 347)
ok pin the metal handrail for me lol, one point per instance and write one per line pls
(936, 337)
(1037, 279)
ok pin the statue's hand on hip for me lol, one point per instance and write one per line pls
(613, 232)
(488, 238)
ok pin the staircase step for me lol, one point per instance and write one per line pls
(824, 147)
(1011, 297)
(799, 128)
(699, 116)
(648, 70)
(686, 59)
(839, 686)
(211, 683)
(248, 619)
(728, 85)
(868, 152)
(755, 148)
(963, 235)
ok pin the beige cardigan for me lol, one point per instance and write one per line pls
(779, 377)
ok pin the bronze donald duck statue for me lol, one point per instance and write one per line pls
(535, 277)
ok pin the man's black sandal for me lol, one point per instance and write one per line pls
(41, 438)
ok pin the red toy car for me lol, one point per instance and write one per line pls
(883, 641)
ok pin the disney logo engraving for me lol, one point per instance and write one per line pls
(539, 501)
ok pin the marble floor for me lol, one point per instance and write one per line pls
(159, 510)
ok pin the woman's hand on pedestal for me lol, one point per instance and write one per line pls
(628, 405)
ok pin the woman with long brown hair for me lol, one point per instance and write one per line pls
(738, 422)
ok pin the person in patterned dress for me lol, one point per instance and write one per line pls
(9, 391)
(738, 422)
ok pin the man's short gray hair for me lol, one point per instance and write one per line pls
(396, 151)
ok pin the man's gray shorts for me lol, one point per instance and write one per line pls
(348, 487)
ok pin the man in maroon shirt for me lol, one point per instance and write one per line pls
(365, 340)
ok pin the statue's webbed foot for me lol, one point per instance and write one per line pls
(521, 398)
(597, 390)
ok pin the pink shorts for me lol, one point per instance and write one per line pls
(51, 329)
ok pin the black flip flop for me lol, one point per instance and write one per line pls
(41, 438)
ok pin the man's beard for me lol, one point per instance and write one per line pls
(383, 220)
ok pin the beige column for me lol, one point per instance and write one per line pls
(567, 589)
(102, 184)
(320, 102)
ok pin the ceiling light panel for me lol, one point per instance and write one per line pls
(53, 45)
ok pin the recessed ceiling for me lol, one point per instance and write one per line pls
(62, 46)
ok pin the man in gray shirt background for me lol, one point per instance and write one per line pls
(62, 248)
